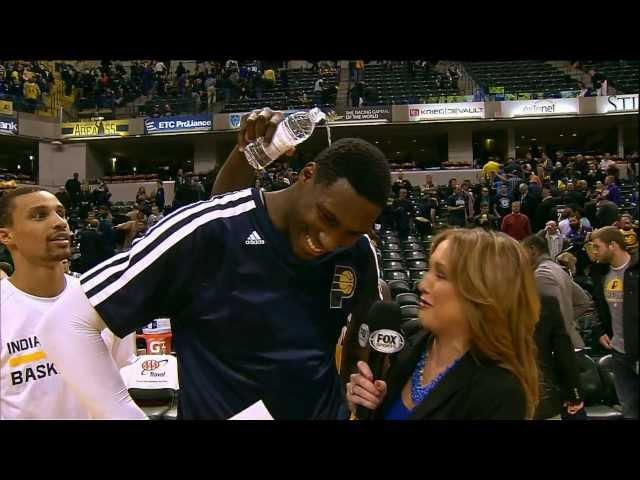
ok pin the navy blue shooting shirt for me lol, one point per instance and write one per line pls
(250, 321)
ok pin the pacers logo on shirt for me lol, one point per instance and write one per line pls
(613, 291)
(343, 286)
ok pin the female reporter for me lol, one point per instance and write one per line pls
(475, 357)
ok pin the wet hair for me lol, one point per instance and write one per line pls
(362, 164)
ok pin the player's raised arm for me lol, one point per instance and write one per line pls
(236, 173)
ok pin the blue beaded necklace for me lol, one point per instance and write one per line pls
(419, 391)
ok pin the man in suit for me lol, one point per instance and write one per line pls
(91, 246)
(180, 190)
(545, 210)
(528, 202)
(73, 187)
(560, 376)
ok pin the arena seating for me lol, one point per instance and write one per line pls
(395, 85)
(595, 392)
(522, 79)
(281, 98)
(623, 75)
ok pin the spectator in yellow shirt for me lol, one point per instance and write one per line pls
(269, 77)
(630, 237)
(31, 93)
(489, 167)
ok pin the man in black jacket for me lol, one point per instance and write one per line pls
(65, 199)
(545, 211)
(402, 212)
(74, 187)
(159, 197)
(91, 249)
(560, 375)
(615, 279)
(606, 213)
(485, 220)
(528, 202)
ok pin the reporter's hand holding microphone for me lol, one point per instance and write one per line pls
(365, 390)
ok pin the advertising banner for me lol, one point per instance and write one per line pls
(542, 107)
(617, 103)
(446, 111)
(368, 114)
(8, 125)
(95, 128)
(178, 123)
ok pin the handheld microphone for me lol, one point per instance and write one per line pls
(385, 339)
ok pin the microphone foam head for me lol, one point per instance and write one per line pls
(385, 321)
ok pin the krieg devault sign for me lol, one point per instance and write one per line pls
(441, 111)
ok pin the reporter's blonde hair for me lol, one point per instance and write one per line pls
(492, 273)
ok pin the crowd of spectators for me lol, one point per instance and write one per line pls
(561, 201)
(578, 222)
(26, 83)
(103, 227)
(164, 83)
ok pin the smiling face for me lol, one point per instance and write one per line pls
(37, 230)
(440, 306)
(327, 217)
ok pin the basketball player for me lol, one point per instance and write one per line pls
(258, 287)
(34, 230)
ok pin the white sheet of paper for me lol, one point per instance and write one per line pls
(257, 411)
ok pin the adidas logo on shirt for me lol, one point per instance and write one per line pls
(254, 239)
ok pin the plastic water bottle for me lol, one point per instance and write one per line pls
(293, 130)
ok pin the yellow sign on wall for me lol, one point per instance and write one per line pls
(6, 107)
(96, 128)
